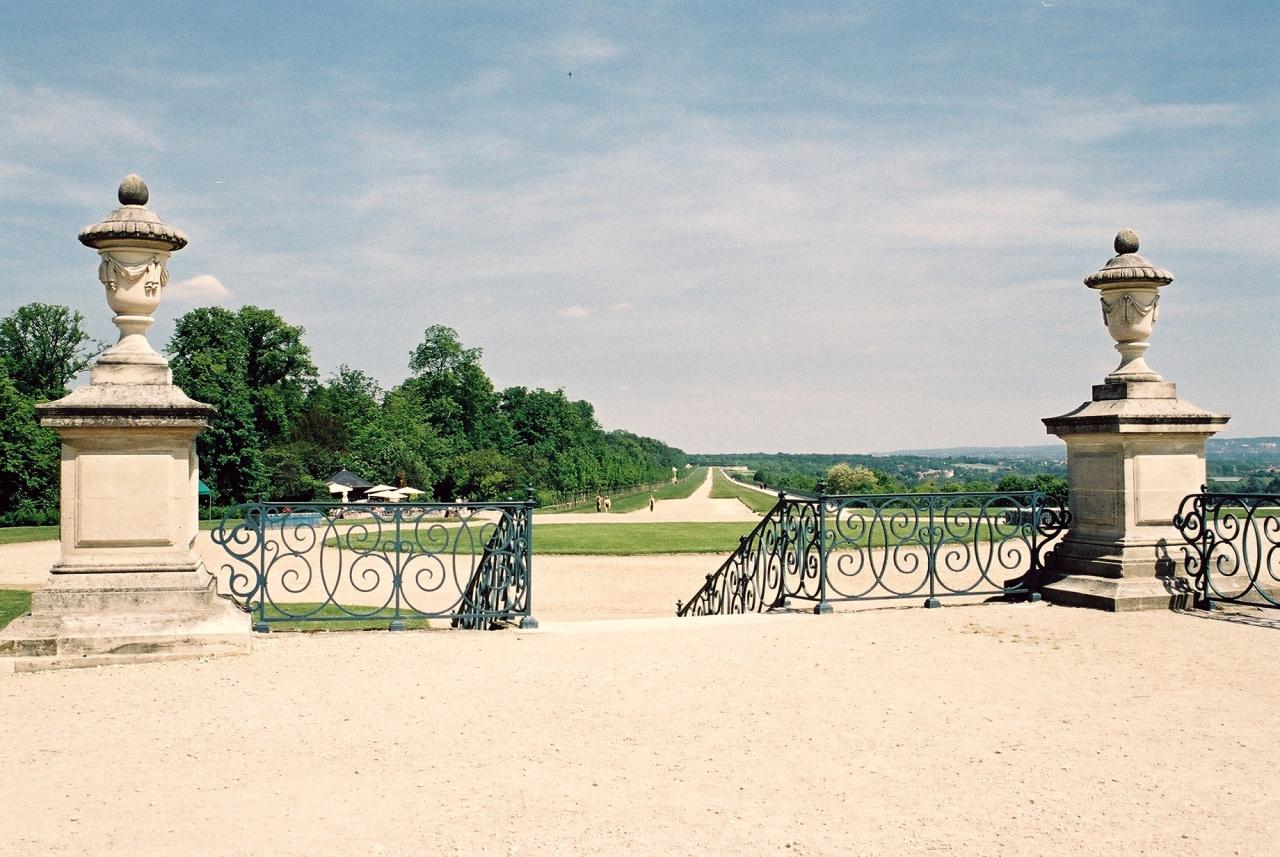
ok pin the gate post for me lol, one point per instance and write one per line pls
(128, 585)
(1133, 452)
(527, 621)
(823, 607)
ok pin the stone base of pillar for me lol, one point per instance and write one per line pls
(1133, 452)
(1120, 594)
(88, 620)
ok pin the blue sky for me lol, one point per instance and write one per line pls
(802, 227)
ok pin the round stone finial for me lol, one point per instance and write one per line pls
(133, 191)
(1126, 241)
(133, 221)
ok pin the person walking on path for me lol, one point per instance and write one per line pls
(651, 502)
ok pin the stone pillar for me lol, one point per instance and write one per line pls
(128, 586)
(1133, 452)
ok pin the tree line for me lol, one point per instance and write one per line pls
(891, 474)
(281, 430)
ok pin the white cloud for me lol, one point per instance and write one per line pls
(201, 288)
(620, 306)
(583, 48)
(50, 117)
(575, 311)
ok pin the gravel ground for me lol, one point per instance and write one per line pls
(968, 730)
(991, 729)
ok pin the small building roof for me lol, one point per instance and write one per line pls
(349, 479)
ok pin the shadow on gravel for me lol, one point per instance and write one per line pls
(1240, 614)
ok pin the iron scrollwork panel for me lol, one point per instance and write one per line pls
(311, 562)
(777, 559)
(907, 545)
(1233, 546)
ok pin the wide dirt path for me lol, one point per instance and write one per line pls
(697, 507)
(969, 730)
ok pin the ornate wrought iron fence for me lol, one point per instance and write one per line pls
(886, 546)
(1233, 547)
(292, 563)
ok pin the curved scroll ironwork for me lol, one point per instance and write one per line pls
(342, 562)
(885, 546)
(1233, 547)
(755, 577)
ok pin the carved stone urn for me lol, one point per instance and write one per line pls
(134, 246)
(1130, 305)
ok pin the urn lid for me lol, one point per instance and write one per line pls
(1127, 266)
(133, 220)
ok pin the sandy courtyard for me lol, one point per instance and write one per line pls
(969, 730)
(992, 729)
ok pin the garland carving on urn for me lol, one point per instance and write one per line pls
(1130, 305)
(115, 274)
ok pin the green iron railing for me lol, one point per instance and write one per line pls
(1233, 547)
(393, 566)
(829, 549)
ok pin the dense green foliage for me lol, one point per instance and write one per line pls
(891, 474)
(444, 429)
(42, 348)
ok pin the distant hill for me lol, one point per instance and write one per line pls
(1050, 451)
(1262, 450)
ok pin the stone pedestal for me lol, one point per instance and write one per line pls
(128, 586)
(1133, 452)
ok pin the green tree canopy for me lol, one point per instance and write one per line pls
(208, 354)
(43, 347)
(29, 458)
(843, 479)
(278, 369)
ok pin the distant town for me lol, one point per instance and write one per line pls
(1242, 465)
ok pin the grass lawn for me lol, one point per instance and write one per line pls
(330, 618)
(638, 539)
(13, 603)
(640, 499)
(13, 535)
(724, 488)
(601, 539)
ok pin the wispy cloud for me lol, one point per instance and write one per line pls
(204, 288)
(575, 311)
(54, 117)
(583, 47)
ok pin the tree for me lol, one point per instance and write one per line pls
(278, 369)
(29, 459)
(843, 479)
(455, 392)
(254, 368)
(350, 395)
(1015, 482)
(441, 353)
(209, 354)
(399, 447)
(43, 347)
